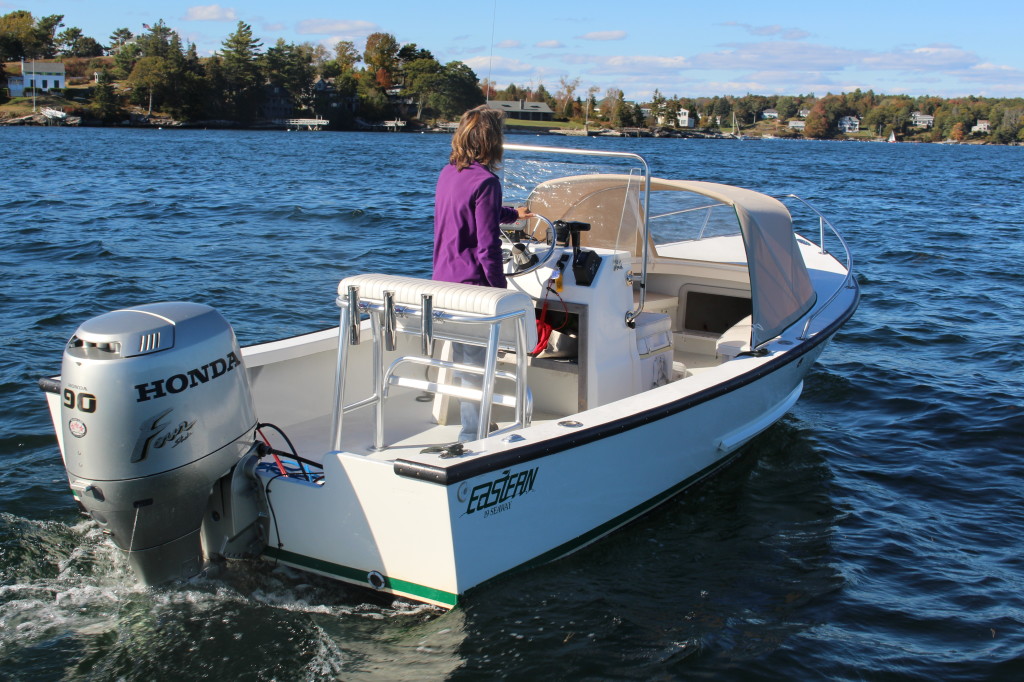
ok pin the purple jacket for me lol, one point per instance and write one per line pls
(467, 210)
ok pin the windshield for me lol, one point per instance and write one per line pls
(606, 194)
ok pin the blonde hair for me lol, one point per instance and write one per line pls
(478, 138)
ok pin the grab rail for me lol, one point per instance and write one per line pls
(848, 280)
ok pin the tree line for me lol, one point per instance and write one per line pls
(243, 82)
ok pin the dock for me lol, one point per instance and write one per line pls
(305, 123)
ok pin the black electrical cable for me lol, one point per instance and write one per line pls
(273, 516)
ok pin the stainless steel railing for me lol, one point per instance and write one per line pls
(848, 280)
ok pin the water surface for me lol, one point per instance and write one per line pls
(874, 533)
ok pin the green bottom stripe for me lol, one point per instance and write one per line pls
(360, 577)
(451, 600)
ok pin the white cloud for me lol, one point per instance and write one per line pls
(603, 35)
(928, 58)
(209, 13)
(549, 44)
(509, 44)
(626, 65)
(343, 27)
(779, 56)
(498, 66)
(774, 30)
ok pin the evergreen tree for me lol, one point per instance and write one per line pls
(124, 60)
(156, 42)
(241, 72)
(291, 67)
(120, 37)
(104, 102)
(149, 75)
(45, 36)
(458, 90)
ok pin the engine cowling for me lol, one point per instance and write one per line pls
(156, 407)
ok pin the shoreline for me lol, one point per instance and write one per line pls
(143, 121)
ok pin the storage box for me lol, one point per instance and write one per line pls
(654, 345)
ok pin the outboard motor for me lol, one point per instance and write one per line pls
(156, 407)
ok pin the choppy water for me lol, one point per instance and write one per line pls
(875, 533)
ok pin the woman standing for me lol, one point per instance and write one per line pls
(467, 211)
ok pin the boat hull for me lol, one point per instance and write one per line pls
(434, 535)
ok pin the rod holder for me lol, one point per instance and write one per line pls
(390, 322)
(427, 325)
(353, 315)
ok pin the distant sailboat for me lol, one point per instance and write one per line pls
(735, 129)
(892, 136)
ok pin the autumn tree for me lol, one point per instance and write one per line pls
(566, 90)
(381, 57)
(24, 37)
(17, 35)
(346, 55)
(817, 125)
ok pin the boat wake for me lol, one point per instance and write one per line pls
(68, 594)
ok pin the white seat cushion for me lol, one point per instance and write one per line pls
(458, 299)
(736, 339)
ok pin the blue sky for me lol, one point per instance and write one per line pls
(680, 47)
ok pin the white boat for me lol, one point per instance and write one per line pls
(333, 452)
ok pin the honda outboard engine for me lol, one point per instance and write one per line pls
(156, 407)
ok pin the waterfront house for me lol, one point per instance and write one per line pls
(848, 124)
(523, 110)
(277, 103)
(42, 75)
(921, 120)
(770, 113)
(797, 124)
(683, 119)
(982, 126)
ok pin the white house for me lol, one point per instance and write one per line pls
(982, 126)
(770, 113)
(682, 120)
(849, 124)
(921, 120)
(803, 113)
(796, 124)
(44, 75)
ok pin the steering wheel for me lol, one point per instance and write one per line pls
(524, 251)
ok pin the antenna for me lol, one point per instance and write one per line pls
(490, 58)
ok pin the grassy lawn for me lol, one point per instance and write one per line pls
(543, 125)
(22, 106)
